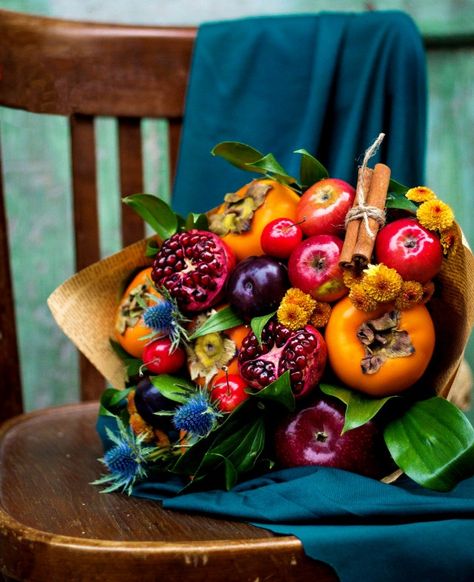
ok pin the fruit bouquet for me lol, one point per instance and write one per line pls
(302, 322)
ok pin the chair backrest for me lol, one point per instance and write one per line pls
(82, 70)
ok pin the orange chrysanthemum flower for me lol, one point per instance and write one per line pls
(292, 316)
(360, 299)
(321, 314)
(420, 194)
(381, 283)
(410, 295)
(297, 297)
(435, 215)
(351, 277)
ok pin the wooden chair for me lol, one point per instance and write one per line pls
(53, 524)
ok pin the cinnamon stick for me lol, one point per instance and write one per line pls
(376, 198)
(364, 179)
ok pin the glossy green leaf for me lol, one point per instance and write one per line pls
(433, 443)
(269, 166)
(172, 387)
(399, 201)
(111, 401)
(359, 407)
(219, 321)
(238, 154)
(396, 187)
(311, 169)
(152, 247)
(278, 391)
(258, 323)
(196, 220)
(155, 212)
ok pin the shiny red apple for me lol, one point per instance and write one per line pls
(312, 436)
(314, 268)
(323, 207)
(407, 246)
(229, 391)
(280, 237)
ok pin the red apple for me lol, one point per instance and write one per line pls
(314, 268)
(407, 246)
(312, 436)
(280, 237)
(229, 391)
(323, 207)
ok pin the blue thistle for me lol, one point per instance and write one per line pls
(197, 416)
(125, 461)
(164, 319)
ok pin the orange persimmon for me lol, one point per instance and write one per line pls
(380, 368)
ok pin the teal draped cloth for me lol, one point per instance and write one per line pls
(366, 530)
(329, 83)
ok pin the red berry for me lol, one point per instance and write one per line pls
(160, 359)
(229, 391)
(280, 237)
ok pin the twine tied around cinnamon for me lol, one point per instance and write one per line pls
(367, 215)
(363, 211)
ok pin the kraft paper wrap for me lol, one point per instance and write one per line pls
(85, 307)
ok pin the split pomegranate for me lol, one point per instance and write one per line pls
(194, 267)
(303, 352)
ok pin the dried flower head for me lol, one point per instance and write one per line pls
(381, 282)
(410, 295)
(420, 194)
(450, 240)
(360, 299)
(140, 427)
(321, 314)
(428, 291)
(208, 354)
(435, 215)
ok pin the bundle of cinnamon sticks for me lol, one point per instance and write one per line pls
(366, 217)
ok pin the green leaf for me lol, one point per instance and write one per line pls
(269, 166)
(111, 401)
(359, 407)
(196, 220)
(172, 387)
(278, 391)
(311, 169)
(152, 247)
(433, 443)
(155, 212)
(396, 187)
(399, 201)
(238, 154)
(219, 321)
(258, 323)
(132, 365)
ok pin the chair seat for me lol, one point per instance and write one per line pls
(55, 526)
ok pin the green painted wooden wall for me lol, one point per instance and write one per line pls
(36, 165)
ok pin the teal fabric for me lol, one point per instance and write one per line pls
(364, 529)
(329, 83)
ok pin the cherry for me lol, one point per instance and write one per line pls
(280, 237)
(160, 359)
(229, 391)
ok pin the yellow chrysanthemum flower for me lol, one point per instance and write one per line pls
(381, 282)
(410, 295)
(360, 299)
(435, 215)
(420, 194)
(321, 314)
(351, 277)
(292, 315)
(297, 297)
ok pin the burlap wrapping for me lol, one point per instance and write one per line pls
(85, 309)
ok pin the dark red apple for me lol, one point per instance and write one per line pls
(324, 205)
(408, 247)
(312, 436)
(314, 268)
(256, 286)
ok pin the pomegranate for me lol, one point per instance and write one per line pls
(303, 352)
(194, 267)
